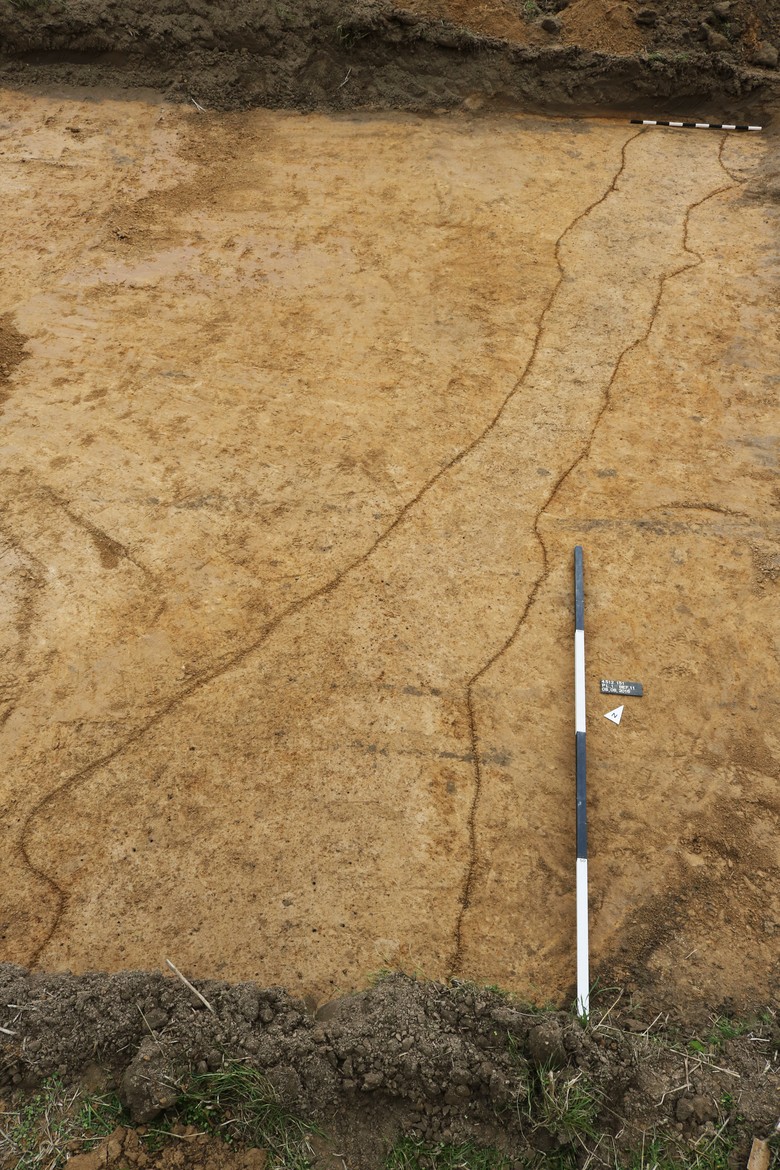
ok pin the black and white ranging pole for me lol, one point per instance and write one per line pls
(583, 964)
(693, 125)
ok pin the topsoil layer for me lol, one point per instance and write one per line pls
(682, 57)
(448, 1064)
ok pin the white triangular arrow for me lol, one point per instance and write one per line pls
(615, 715)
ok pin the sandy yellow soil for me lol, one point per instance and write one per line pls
(310, 414)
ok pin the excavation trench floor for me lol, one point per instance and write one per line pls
(304, 416)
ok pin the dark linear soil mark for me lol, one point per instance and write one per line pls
(468, 885)
(231, 661)
(473, 868)
(33, 574)
(109, 550)
(12, 353)
(723, 836)
(700, 506)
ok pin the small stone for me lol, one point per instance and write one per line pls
(684, 1109)
(717, 42)
(647, 16)
(91, 1161)
(703, 1109)
(634, 1026)
(545, 1045)
(561, 4)
(766, 54)
(550, 24)
(255, 1159)
(721, 10)
(156, 1019)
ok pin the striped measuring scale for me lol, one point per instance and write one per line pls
(583, 960)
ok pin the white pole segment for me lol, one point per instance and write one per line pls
(583, 960)
(579, 681)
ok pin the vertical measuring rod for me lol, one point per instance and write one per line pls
(583, 964)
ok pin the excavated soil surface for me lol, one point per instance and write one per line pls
(304, 416)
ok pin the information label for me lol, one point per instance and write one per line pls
(613, 686)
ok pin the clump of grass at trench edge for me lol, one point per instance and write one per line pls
(664, 1152)
(239, 1104)
(566, 1105)
(723, 1028)
(40, 1134)
(412, 1154)
(563, 1103)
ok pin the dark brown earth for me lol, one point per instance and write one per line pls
(448, 1064)
(323, 54)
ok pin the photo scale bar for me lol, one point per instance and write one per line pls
(583, 965)
(693, 125)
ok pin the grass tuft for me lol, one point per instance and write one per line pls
(663, 1152)
(412, 1154)
(566, 1105)
(721, 1029)
(240, 1105)
(41, 1133)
